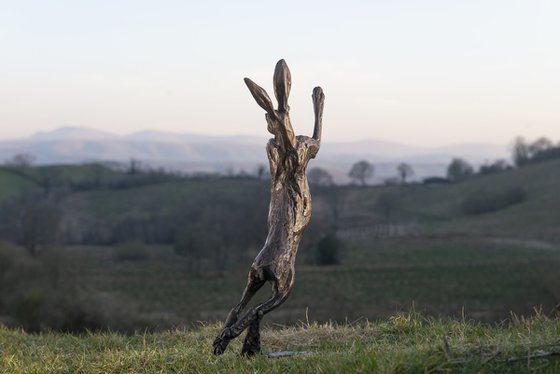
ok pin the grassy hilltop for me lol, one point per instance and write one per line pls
(402, 344)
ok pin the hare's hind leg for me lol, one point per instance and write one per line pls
(254, 283)
(252, 343)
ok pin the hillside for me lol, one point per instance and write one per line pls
(440, 206)
(435, 206)
(13, 184)
(404, 343)
(155, 250)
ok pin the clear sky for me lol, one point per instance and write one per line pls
(417, 72)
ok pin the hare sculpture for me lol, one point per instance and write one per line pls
(289, 211)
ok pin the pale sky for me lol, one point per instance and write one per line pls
(416, 72)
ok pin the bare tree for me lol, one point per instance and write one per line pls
(459, 170)
(520, 151)
(319, 177)
(261, 170)
(361, 172)
(21, 159)
(540, 150)
(405, 171)
(135, 166)
(540, 145)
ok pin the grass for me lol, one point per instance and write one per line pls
(405, 343)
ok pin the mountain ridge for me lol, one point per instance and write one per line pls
(183, 151)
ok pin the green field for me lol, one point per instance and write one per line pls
(13, 184)
(483, 279)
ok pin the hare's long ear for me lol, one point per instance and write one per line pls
(282, 85)
(318, 105)
(261, 97)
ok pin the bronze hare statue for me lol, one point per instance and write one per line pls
(289, 211)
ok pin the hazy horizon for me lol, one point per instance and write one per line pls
(424, 74)
(264, 136)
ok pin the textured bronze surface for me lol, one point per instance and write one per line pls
(289, 211)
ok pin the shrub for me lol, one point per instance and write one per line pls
(29, 310)
(491, 201)
(497, 166)
(435, 180)
(387, 202)
(131, 250)
(87, 310)
(515, 195)
(327, 251)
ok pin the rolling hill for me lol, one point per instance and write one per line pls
(428, 252)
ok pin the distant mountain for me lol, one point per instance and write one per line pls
(170, 137)
(194, 152)
(373, 149)
(70, 133)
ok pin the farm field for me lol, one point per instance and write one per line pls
(484, 279)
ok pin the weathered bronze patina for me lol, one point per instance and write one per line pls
(289, 211)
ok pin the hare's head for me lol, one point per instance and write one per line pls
(278, 120)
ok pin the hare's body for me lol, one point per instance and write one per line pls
(289, 211)
(289, 198)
